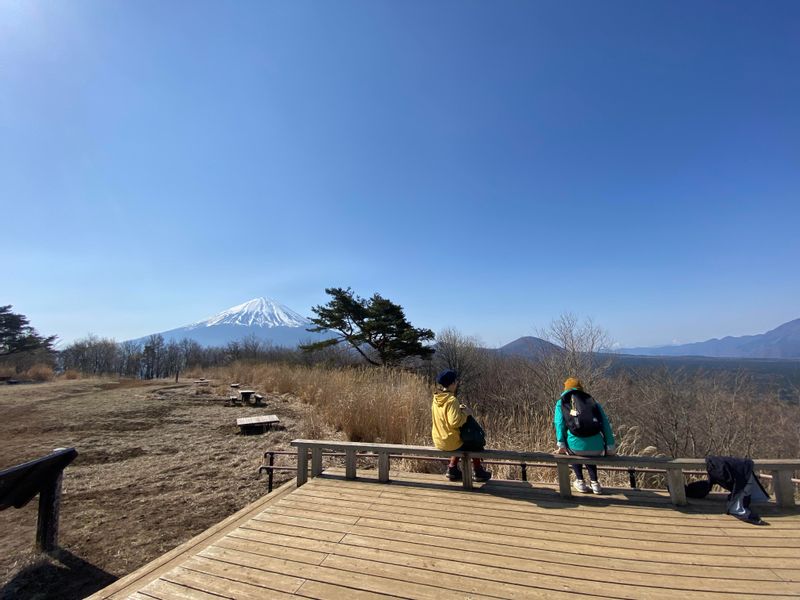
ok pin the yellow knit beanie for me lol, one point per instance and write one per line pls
(573, 383)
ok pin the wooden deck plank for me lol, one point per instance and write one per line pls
(166, 590)
(224, 586)
(718, 545)
(334, 517)
(278, 539)
(503, 580)
(354, 499)
(570, 553)
(327, 591)
(607, 576)
(708, 535)
(282, 528)
(586, 504)
(540, 496)
(550, 519)
(546, 497)
(471, 585)
(326, 574)
(234, 572)
(422, 537)
(721, 555)
(285, 551)
(466, 538)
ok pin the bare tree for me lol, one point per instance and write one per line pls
(461, 353)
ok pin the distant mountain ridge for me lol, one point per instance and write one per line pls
(529, 347)
(266, 319)
(781, 342)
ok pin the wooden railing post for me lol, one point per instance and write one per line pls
(466, 471)
(350, 463)
(564, 489)
(783, 487)
(316, 461)
(383, 467)
(47, 523)
(302, 464)
(677, 486)
(270, 472)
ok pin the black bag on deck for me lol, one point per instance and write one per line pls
(473, 437)
(581, 414)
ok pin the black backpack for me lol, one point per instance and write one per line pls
(581, 414)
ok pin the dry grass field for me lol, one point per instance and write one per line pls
(158, 462)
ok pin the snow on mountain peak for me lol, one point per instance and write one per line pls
(258, 312)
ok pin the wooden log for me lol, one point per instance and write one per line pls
(677, 486)
(783, 487)
(302, 464)
(47, 523)
(383, 467)
(316, 462)
(564, 489)
(350, 463)
(466, 471)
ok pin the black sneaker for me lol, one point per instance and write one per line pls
(481, 474)
(454, 474)
(752, 519)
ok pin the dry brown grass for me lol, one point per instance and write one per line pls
(71, 375)
(156, 465)
(38, 373)
(372, 404)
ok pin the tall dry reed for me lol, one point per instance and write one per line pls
(366, 403)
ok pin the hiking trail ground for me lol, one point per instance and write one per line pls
(158, 462)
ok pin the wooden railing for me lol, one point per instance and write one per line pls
(19, 484)
(780, 469)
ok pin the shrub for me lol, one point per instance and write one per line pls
(70, 374)
(39, 372)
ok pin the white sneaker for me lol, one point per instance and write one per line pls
(580, 485)
(596, 489)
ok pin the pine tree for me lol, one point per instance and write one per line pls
(17, 336)
(375, 327)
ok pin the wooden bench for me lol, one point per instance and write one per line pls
(259, 424)
(20, 483)
(780, 469)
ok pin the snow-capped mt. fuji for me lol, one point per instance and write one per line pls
(258, 312)
(266, 319)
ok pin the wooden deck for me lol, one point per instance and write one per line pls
(422, 537)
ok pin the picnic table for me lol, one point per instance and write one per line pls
(258, 424)
(245, 395)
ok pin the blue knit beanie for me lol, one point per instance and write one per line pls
(446, 377)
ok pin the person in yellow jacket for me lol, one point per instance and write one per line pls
(448, 416)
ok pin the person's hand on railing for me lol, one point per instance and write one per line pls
(561, 450)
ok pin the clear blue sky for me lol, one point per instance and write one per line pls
(486, 165)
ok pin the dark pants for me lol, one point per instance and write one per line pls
(476, 462)
(578, 470)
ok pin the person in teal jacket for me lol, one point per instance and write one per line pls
(598, 444)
